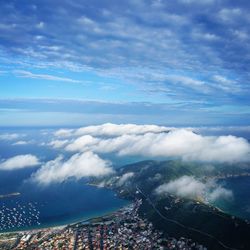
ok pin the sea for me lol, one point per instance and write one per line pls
(36, 206)
(239, 205)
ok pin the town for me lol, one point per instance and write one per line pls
(123, 229)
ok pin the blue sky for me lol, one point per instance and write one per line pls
(68, 62)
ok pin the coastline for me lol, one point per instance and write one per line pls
(230, 207)
(90, 217)
(65, 224)
(109, 206)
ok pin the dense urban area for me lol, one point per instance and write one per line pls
(123, 229)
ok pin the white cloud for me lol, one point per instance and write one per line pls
(229, 15)
(27, 74)
(189, 187)
(58, 143)
(124, 178)
(186, 186)
(78, 166)
(188, 82)
(182, 143)
(63, 133)
(109, 129)
(19, 161)
(222, 79)
(20, 143)
(220, 193)
(82, 143)
(10, 136)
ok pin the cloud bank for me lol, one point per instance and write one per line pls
(189, 187)
(112, 130)
(156, 141)
(78, 166)
(87, 146)
(19, 162)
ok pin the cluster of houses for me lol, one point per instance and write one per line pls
(123, 229)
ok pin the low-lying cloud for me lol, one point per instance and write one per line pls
(185, 186)
(21, 142)
(10, 136)
(189, 187)
(220, 193)
(112, 130)
(124, 178)
(78, 166)
(156, 141)
(19, 162)
(58, 143)
(85, 141)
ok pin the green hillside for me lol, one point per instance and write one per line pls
(178, 216)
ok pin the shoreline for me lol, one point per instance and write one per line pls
(234, 213)
(82, 216)
(64, 225)
(108, 213)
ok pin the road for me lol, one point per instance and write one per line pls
(181, 225)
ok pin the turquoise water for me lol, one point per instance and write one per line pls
(240, 204)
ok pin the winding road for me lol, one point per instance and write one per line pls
(181, 225)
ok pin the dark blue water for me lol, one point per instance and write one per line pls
(240, 204)
(56, 204)
(72, 201)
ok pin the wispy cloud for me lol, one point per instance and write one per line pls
(11, 136)
(21, 143)
(188, 36)
(158, 51)
(58, 143)
(125, 178)
(42, 111)
(27, 74)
